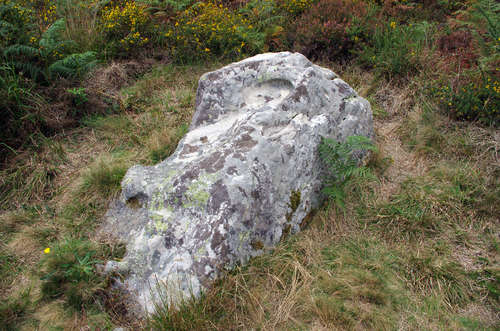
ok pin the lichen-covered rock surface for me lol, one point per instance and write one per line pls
(246, 174)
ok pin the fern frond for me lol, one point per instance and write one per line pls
(21, 50)
(50, 37)
(74, 64)
(342, 165)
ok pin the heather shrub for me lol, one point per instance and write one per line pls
(458, 51)
(407, 11)
(207, 30)
(330, 29)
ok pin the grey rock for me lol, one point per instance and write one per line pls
(246, 174)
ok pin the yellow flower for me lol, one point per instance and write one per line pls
(393, 24)
(207, 50)
(46, 250)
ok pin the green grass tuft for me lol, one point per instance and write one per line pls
(104, 178)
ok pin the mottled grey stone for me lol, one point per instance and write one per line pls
(246, 174)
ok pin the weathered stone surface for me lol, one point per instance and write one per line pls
(246, 174)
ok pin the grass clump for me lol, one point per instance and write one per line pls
(428, 206)
(104, 178)
(190, 314)
(68, 270)
(14, 311)
(358, 284)
(10, 267)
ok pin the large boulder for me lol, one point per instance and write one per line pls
(246, 174)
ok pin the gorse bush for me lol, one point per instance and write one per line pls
(476, 101)
(16, 24)
(166, 7)
(207, 30)
(124, 25)
(295, 7)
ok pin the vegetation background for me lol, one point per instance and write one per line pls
(88, 88)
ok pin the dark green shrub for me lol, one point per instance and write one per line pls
(483, 20)
(471, 90)
(396, 50)
(268, 19)
(419, 10)
(18, 109)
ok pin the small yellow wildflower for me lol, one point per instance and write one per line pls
(207, 50)
(46, 250)
(393, 24)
